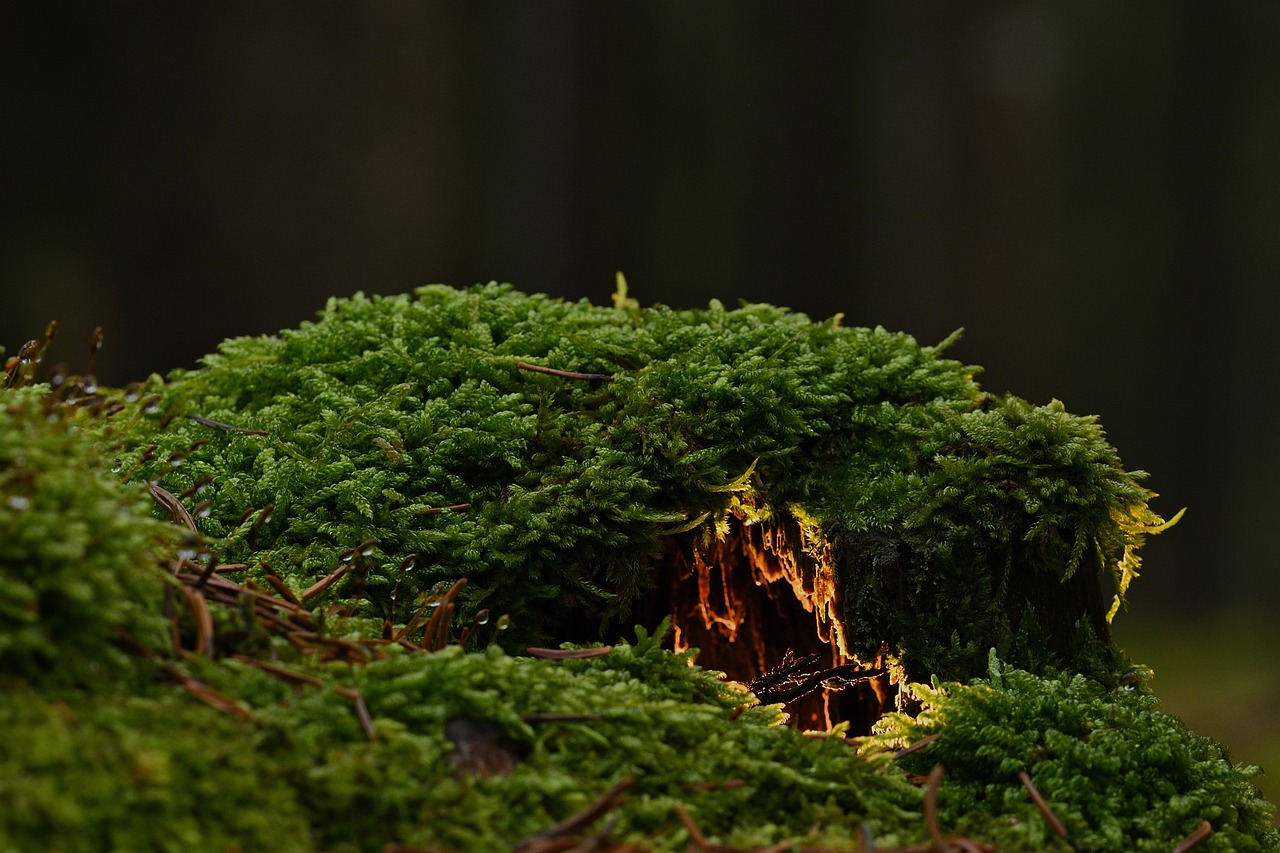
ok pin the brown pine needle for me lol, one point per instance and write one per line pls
(278, 671)
(204, 619)
(1203, 831)
(281, 587)
(1043, 806)
(362, 710)
(695, 834)
(564, 374)
(210, 422)
(611, 799)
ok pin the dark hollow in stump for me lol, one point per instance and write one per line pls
(755, 601)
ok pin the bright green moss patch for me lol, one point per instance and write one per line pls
(1117, 774)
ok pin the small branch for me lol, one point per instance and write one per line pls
(1042, 805)
(204, 619)
(325, 582)
(795, 677)
(280, 586)
(362, 710)
(1203, 831)
(210, 422)
(564, 374)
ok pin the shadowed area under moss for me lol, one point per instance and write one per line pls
(310, 672)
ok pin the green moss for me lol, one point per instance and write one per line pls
(953, 523)
(951, 512)
(1117, 774)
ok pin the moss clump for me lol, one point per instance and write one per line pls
(957, 520)
(398, 445)
(1119, 775)
(77, 551)
(160, 771)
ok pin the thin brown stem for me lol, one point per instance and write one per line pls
(695, 834)
(918, 745)
(433, 510)
(609, 801)
(1203, 831)
(210, 422)
(176, 510)
(325, 582)
(931, 809)
(568, 654)
(564, 374)
(1043, 806)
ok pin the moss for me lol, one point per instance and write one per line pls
(1119, 775)
(398, 445)
(952, 514)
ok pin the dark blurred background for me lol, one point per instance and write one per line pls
(1091, 189)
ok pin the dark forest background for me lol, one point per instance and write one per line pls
(1091, 189)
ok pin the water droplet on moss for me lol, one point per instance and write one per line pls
(503, 623)
(19, 502)
(482, 617)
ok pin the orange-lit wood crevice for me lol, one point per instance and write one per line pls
(746, 600)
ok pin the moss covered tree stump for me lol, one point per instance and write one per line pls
(378, 580)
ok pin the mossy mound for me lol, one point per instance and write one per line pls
(341, 694)
(950, 520)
